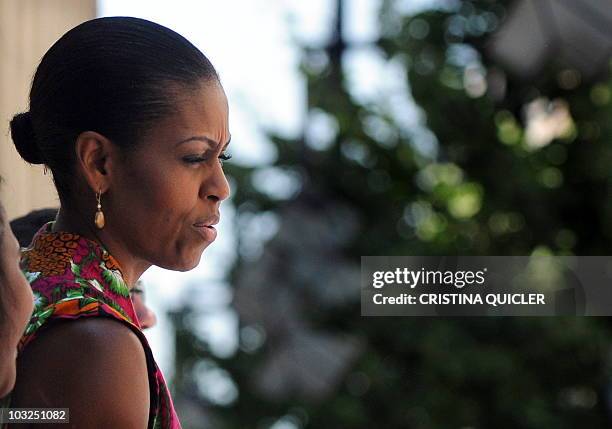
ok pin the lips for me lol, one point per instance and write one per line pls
(209, 221)
(206, 229)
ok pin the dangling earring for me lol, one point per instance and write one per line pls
(45, 171)
(99, 218)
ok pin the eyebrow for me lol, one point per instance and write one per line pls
(206, 140)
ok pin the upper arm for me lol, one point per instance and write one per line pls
(95, 367)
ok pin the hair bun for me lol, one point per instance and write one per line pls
(22, 132)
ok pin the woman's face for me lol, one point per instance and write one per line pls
(16, 303)
(165, 195)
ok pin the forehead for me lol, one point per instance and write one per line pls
(199, 111)
(203, 110)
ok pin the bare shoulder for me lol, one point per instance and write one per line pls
(95, 367)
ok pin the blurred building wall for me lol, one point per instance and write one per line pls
(27, 29)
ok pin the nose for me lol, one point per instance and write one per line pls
(216, 187)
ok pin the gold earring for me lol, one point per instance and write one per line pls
(99, 218)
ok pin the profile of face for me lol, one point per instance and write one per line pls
(16, 303)
(162, 198)
(146, 316)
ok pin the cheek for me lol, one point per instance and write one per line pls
(23, 300)
(26, 303)
(171, 200)
(160, 202)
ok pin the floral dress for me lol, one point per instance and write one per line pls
(74, 277)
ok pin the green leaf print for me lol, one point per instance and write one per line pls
(40, 301)
(74, 293)
(115, 306)
(76, 270)
(30, 277)
(44, 315)
(96, 284)
(30, 328)
(86, 301)
(115, 281)
(81, 281)
(38, 318)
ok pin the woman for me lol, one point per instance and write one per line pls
(15, 304)
(132, 121)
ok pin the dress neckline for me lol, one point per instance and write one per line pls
(61, 256)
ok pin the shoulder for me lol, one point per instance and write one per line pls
(95, 366)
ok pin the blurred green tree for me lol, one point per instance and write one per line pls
(477, 174)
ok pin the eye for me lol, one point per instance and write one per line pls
(195, 159)
(224, 157)
(198, 159)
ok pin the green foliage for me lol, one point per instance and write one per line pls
(488, 190)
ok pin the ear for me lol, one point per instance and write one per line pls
(94, 156)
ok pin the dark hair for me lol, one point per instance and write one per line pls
(112, 75)
(25, 227)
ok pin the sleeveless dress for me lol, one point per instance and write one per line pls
(73, 277)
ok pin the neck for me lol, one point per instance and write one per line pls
(131, 266)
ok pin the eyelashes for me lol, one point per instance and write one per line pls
(199, 159)
(224, 157)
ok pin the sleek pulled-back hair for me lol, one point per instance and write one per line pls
(114, 76)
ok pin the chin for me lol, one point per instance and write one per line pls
(184, 264)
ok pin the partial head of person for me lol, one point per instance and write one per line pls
(132, 121)
(146, 316)
(16, 303)
(25, 227)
